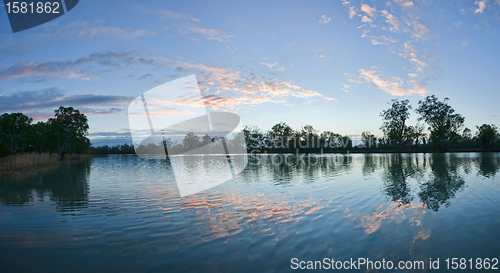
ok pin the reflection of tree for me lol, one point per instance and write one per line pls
(439, 177)
(488, 164)
(444, 183)
(287, 168)
(369, 164)
(66, 184)
(398, 170)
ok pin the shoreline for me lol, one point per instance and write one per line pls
(318, 151)
(27, 162)
(371, 151)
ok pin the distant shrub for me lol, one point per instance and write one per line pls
(4, 150)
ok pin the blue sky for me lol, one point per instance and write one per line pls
(332, 64)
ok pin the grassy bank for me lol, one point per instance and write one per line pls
(21, 163)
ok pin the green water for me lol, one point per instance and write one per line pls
(124, 214)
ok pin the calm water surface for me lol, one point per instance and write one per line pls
(124, 214)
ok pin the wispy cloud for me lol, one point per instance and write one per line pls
(232, 50)
(98, 112)
(346, 87)
(211, 34)
(419, 30)
(145, 77)
(160, 111)
(408, 12)
(393, 21)
(392, 85)
(410, 52)
(352, 12)
(280, 88)
(382, 40)
(404, 3)
(90, 30)
(270, 65)
(176, 16)
(41, 103)
(419, 63)
(243, 88)
(481, 6)
(324, 19)
(116, 32)
(322, 57)
(232, 89)
(77, 68)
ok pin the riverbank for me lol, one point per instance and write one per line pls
(22, 163)
(367, 151)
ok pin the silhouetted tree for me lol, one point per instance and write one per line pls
(466, 137)
(409, 135)
(191, 141)
(309, 135)
(346, 142)
(71, 127)
(488, 136)
(206, 140)
(14, 130)
(443, 123)
(41, 136)
(419, 133)
(332, 140)
(281, 132)
(253, 136)
(369, 140)
(395, 121)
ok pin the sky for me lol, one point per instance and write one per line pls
(334, 65)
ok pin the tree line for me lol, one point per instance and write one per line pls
(439, 128)
(210, 144)
(65, 133)
(445, 128)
